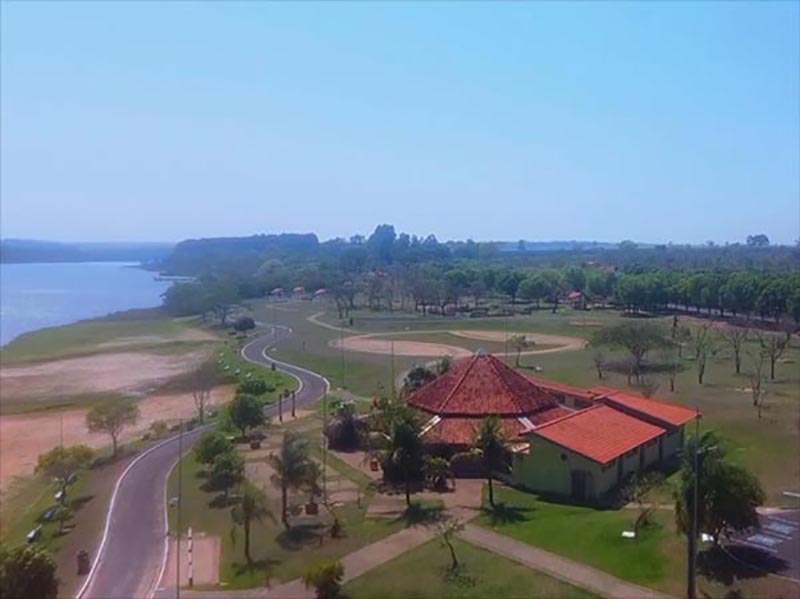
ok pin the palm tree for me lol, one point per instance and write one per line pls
(251, 508)
(292, 465)
(489, 440)
(405, 447)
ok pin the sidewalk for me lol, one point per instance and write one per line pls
(556, 566)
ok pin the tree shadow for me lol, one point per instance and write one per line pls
(718, 564)
(78, 503)
(459, 577)
(264, 565)
(418, 513)
(501, 513)
(220, 501)
(300, 536)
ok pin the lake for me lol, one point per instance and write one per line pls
(34, 296)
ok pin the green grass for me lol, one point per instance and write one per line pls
(88, 337)
(277, 555)
(28, 503)
(423, 573)
(584, 534)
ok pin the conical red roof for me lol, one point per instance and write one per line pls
(481, 386)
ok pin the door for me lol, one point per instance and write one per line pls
(579, 484)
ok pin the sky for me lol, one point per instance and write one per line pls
(160, 121)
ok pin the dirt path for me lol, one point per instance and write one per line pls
(24, 436)
(373, 344)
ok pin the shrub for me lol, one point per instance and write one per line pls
(244, 323)
(254, 387)
(326, 578)
(468, 464)
(159, 428)
(210, 445)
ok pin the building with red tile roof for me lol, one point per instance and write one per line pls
(475, 388)
(564, 440)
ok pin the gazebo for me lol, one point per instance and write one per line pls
(474, 388)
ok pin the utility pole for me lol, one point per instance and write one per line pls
(341, 354)
(325, 448)
(505, 337)
(178, 514)
(392, 368)
(691, 578)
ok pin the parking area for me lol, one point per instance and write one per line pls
(774, 547)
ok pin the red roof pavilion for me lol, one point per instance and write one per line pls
(478, 387)
(599, 433)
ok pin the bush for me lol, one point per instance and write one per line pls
(244, 323)
(210, 445)
(254, 387)
(468, 464)
(159, 428)
(326, 578)
(28, 571)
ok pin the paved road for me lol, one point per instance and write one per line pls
(131, 555)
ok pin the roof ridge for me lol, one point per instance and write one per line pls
(501, 375)
(473, 361)
(572, 415)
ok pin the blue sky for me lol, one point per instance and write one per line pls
(160, 121)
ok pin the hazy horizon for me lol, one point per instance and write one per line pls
(157, 122)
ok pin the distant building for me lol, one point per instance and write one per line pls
(577, 300)
(564, 440)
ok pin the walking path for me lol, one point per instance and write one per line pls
(556, 566)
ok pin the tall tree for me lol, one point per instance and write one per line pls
(252, 507)
(728, 494)
(112, 418)
(520, 343)
(704, 348)
(489, 440)
(773, 347)
(203, 380)
(405, 447)
(210, 445)
(636, 338)
(755, 374)
(64, 463)
(735, 337)
(227, 471)
(245, 412)
(293, 466)
(27, 572)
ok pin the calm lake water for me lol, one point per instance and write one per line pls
(34, 296)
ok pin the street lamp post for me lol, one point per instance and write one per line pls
(691, 579)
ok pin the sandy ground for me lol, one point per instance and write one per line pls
(103, 373)
(205, 561)
(24, 436)
(370, 344)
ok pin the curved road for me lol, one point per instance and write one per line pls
(131, 555)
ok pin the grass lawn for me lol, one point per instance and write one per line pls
(656, 559)
(146, 331)
(277, 554)
(423, 573)
(589, 536)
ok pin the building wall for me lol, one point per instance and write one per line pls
(673, 442)
(543, 469)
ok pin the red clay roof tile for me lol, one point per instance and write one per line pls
(662, 412)
(599, 433)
